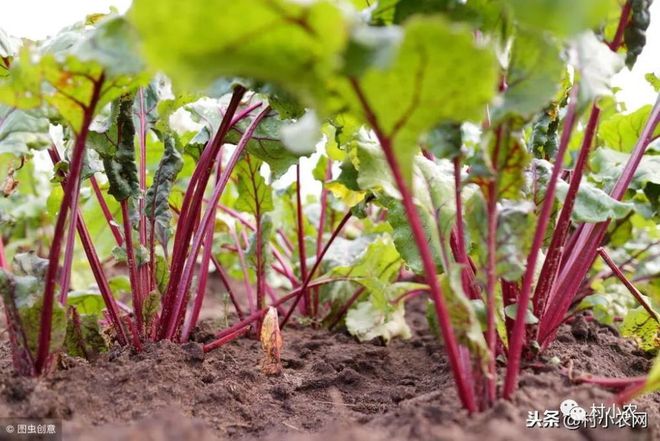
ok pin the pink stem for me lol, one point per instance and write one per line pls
(301, 241)
(622, 277)
(186, 276)
(585, 245)
(69, 200)
(132, 266)
(95, 264)
(465, 392)
(191, 208)
(616, 43)
(321, 227)
(114, 228)
(556, 250)
(518, 334)
(306, 282)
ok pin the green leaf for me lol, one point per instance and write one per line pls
(434, 198)
(593, 205)
(86, 302)
(62, 71)
(425, 84)
(367, 322)
(465, 322)
(533, 76)
(119, 284)
(22, 295)
(255, 196)
(151, 307)
(266, 224)
(445, 140)
(516, 223)
(621, 131)
(156, 206)
(83, 336)
(608, 165)
(22, 131)
(511, 312)
(119, 165)
(292, 44)
(379, 261)
(561, 17)
(545, 136)
(485, 14)
(371, 46)
(373, 172)
(640, 326)
(162, 274)
(511, 163)
(267, 144)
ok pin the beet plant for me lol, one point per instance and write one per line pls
(334, 160)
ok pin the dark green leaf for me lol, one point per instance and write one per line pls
(156, 207)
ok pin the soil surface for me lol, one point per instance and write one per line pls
(332, 388)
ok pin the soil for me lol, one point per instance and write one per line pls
(332, 388)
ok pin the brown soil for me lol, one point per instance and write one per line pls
(332, 388)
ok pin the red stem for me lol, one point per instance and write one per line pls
(321, 227)
(259, 254)
(132, 265)
(519, 330)
(183, 283)
(226, 339)
(70, 197)
(301, 241)
(106, 212)
(465, 392)
(95, 264)
(224, 277)
(191, 320)
(616, 43)
(585, 245)
(191, 207)
(622, 277)
(306, 282)
(556, 249)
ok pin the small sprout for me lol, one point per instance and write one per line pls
(271, 342)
